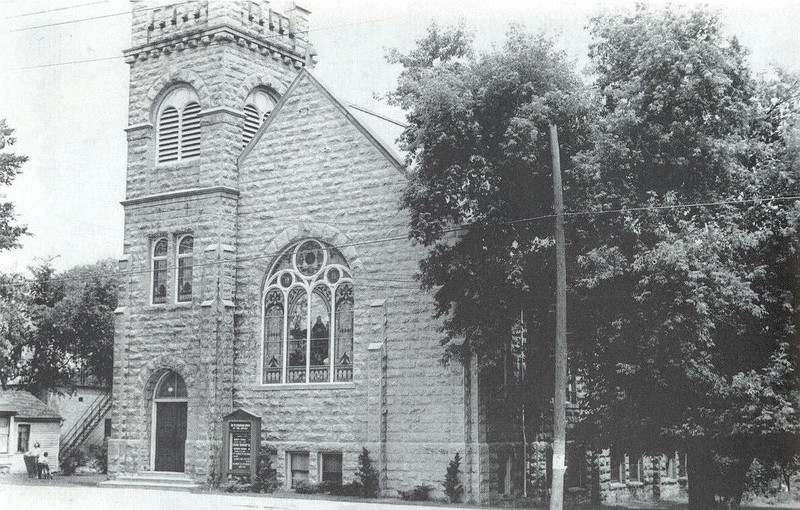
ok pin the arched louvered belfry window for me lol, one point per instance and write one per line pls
(178, 126)
(258, 106)
(308, 317)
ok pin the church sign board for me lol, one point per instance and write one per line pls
(241, 444)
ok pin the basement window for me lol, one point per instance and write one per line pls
(331, 467)
(298, 468)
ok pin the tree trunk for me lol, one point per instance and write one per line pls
(700, 473)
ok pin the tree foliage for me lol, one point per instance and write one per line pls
(479, 156)
(690, 339)
(10, 167)
(70, 326)
(683, 320)
(367, 476)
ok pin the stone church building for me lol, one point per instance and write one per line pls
(267, 267)
(267, 272)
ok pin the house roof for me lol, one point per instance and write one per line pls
(25, 405)
(388, 151)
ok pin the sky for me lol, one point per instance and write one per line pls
(70, 115)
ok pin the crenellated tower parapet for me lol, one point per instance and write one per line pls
(164, 27)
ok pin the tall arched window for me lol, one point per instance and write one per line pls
(159, 270)
(258, 106)
(179, 126)
(308, 317)
(185, 257)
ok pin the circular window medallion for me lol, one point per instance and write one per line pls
(286, 280)
(333, 275)
(309, 258)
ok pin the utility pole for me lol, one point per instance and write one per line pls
(560, 397)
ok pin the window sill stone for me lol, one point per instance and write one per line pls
(305, 386)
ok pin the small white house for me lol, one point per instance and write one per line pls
(24, 421)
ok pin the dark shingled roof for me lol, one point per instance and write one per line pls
(25, 405)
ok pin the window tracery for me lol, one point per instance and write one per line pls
(308, 317)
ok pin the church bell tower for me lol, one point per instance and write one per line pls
(204, 75)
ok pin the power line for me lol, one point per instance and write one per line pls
(54, 64)
(448, 230)
(59, 23)
(90, 18)
(66, 63)
(56, 9)
(378, 115)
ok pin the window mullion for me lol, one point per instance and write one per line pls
(332, 335)
(308, 334)
(285, 340)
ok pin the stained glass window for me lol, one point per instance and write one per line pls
(315, 283)
(159, 277)
(185, 262)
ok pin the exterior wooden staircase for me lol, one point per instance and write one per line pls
(84, 426)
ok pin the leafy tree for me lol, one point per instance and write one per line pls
(683, 320)
(14, 326)
(10, 165)
(688, 333)
(72, 325)
(479, 151)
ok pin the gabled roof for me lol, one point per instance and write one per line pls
(25, 405)
(241, 414)
(368, 134)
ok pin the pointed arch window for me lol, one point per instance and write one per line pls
(185, 258)
(178, 136)
(258, 105)
(159, 271)
(308, 317)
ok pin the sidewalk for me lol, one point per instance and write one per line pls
(71, 497)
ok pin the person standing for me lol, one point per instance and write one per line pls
(35, 452)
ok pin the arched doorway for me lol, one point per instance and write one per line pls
(170, 401)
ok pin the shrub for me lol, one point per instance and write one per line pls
(93, 456)
(69, 463)
(236, 484)
(352, 489)
(418, 493)
(98, 456)
(367, 475)
(266, 476)
(452, 483)
(307, 488)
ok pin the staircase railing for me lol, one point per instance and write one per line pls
(85, 424)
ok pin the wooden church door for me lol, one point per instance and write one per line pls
(171, 409)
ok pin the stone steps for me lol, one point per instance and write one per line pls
(164, 480)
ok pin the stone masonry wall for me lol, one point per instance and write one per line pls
(194, 339)
(314, 174)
